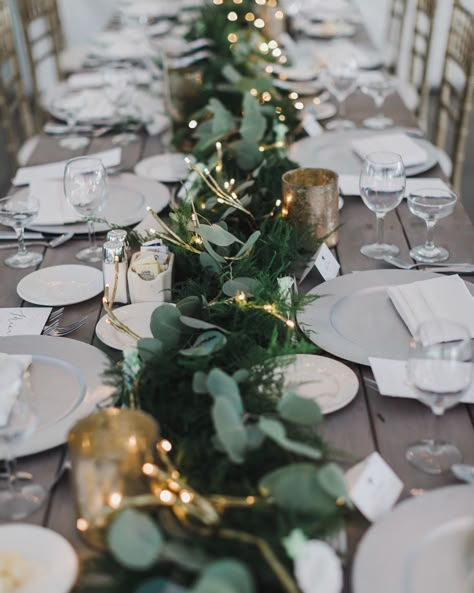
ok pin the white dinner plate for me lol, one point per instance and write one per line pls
(167, 167)
(334, 151)
(389, 554)
(57, 286)
(303, 88)
(120, 210)
(136, 316)
(324, 110)
(51, 564)
(331, 384)
(329, 29)
(61, 369)
(355, 319)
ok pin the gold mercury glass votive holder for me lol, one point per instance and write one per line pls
(311, 196)
(108, 450)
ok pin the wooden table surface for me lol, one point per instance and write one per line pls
(370, 422)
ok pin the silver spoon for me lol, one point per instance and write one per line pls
(463, 472)
(56, 242)
(404, 265)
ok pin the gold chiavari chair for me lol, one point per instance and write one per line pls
(456, 93)
(43, 35)
(394, 34)
(16, 118)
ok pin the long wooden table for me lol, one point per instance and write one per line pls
(371, 422)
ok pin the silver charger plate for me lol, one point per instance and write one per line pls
(334, 151)
(355, 319)
(388, 554)
(66, 382)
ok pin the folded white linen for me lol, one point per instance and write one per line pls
(11, 382)
(411, 152)
(54, 207)
(349, 184)
(444, 298)
(90, 80)
(392, 378)
(25, 175)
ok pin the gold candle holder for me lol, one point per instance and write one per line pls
(311, 196)
(108, 450)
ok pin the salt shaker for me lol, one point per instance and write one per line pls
(114, 253)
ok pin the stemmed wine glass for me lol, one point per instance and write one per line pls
(340, 78)
(378, 86)
(17, 212)
(16, 501)
(431, 205)
(86, 189)
(382, 185)
(68, 106)
(120, 87)
(440, 372)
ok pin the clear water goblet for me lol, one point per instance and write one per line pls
(431, 205)
(340, 78)
(440, 372)
(86, 189)
(18, 212)
(120, 88)
(378, 86)
(382, 186)
(68, 106)
(17, 500)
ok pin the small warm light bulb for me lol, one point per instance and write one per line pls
(250, 500)
(148, 469)
(165, 445)
(280, 15)
(167, 497)
(293, 95)
(266, 96)
(290, 323)
(268, 308)
(278, 203)
(269, 69)
(185, 496)
(192, 124)
(272, 44)
(218, 1)
(288, 198)
(299, 105)
(82, 524)
(284, 212)
(282, 118)
(115, 500)
(232, 16)
(276, 53)
(253, 92)
(282, 59)
(259, 23)
(263, 46)
(250, 17)
(232, 38)
(241, 297)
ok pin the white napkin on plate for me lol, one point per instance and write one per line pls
(392, 380)
(90, 80)
(25, 175)
(410, 151)
(54, 207)
(349, 184)
(10, 390)
(444, 298)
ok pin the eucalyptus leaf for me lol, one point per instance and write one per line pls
(223, 120)
(216, 235)
(188, 557)
(331, 479)
(134, 540)
(230, 73)
(254, 237)
(200, 382)
(207, 343)
(296, 488)
(166, 326)
(253, 125)
(212, 252)
(149, 349)
(275, 430)
(209, 263)
(200, 324)
(193, 306)
(255, 437)
(159, 585)
(297, 409)
(230, 429)
(249, 286)
(225, 576)
(241, 375)
(220, 384)
(247, 154)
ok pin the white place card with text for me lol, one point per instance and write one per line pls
(373, 486)
(324, 262)
(23, 321)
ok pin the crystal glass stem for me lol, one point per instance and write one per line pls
(430, 225)
(91, 232)
(380, 227)
(20, 235)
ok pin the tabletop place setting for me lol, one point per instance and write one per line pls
(237, 320)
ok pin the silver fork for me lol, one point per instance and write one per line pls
(67, 329)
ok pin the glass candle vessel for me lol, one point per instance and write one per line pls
(108, 450)
(311, 196)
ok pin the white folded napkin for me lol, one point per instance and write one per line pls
(411, 152)
(349, 184)
(444, 298)
(392, 378)
(90, 80)
(54, 207)
(25, 175)
(11, 383)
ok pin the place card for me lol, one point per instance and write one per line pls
(324, 263)
(392, 380)
(23, 321)
(373, 486)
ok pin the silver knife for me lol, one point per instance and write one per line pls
(451, 269)
(10, 235)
